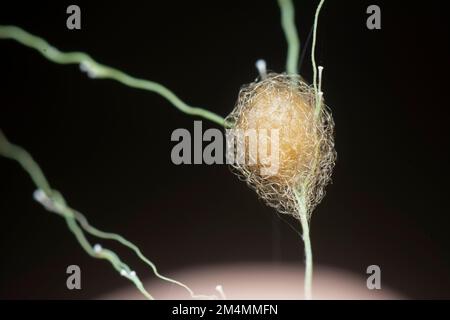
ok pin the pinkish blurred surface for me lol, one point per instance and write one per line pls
(261, 281)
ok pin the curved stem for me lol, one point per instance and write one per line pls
(53, 201)
(97, 70)
(113, 236)
(313, 48)
(290, 32)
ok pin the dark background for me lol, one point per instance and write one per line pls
(106, 147)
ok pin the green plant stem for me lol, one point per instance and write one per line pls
(308, 258)
(73, 217)
(112, 236)
(97, 70)
(53, 201)
(313, 58)
(307, 244)
(290, 32)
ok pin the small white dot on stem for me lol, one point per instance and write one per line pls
(262, 68)
(98, 248)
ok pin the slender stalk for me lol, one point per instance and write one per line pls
(304, 217)
(290, 32)
(313, 49)
(77, 223)
(97, 70)
(302, 212)
(308, 258)
(113, 236)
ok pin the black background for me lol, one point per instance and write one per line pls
(107, 147)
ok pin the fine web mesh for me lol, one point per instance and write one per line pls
(305, 142)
